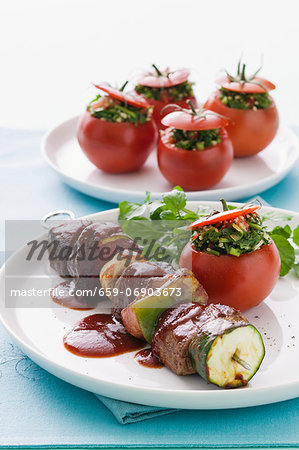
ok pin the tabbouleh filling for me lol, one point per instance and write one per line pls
(173, 93)
(239, 100)
(244, 234)
(113, 110)
(195, 140)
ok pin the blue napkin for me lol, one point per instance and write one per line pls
(29, 189)
(126, 412)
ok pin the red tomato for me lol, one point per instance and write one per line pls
(241, 282)
(199, 120)
(132, 98)
(164, 79)
(160, 104)
(195, 169)
(250, 130)
(116, 147)
(253, 85)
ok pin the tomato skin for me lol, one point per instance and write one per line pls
(241, 282)
(169, 79)
(194, 170)
(246, 87)
(187, 120)
(133, 99)
(160, 104)
(116, 147)
(250, 131)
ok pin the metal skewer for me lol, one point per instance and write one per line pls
(241, 362)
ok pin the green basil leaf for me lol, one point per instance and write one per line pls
(296, 268)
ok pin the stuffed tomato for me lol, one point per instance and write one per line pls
(161, 88)
(253, 113)
(233, 257)
(195, 151)
(117, 132)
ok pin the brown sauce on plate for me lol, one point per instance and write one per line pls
(147, 358)
(64, 294)
(100, 336)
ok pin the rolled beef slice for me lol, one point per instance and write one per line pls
(177, 327)
(63, 240)
(175, 330)
(97, 244)
(139, 275)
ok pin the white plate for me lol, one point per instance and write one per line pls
(245, 178)
(39, 332)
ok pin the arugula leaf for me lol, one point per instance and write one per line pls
(286, 252)
(296, 235)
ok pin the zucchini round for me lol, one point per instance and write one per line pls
(229, 359)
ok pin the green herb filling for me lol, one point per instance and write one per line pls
(243, 234)
(113, 110)
(195, 140)
(239, 100)
(173, 93)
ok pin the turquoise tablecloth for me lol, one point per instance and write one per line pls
(38, 409)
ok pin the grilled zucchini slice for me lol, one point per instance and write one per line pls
(229, 359)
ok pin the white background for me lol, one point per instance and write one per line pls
(51, 51)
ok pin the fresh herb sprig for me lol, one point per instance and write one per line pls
(174, 93)
(159, 225)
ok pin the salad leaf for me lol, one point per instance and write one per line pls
(175, 200)
(282, 231)
(286, 252)
(296, 269)
(296, 235)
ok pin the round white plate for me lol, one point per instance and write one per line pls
(245, 178)
(39, 332)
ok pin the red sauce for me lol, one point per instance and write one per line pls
(100, 335)
(63, 295)
(146, 358)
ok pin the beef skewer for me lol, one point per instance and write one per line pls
(215, 341)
